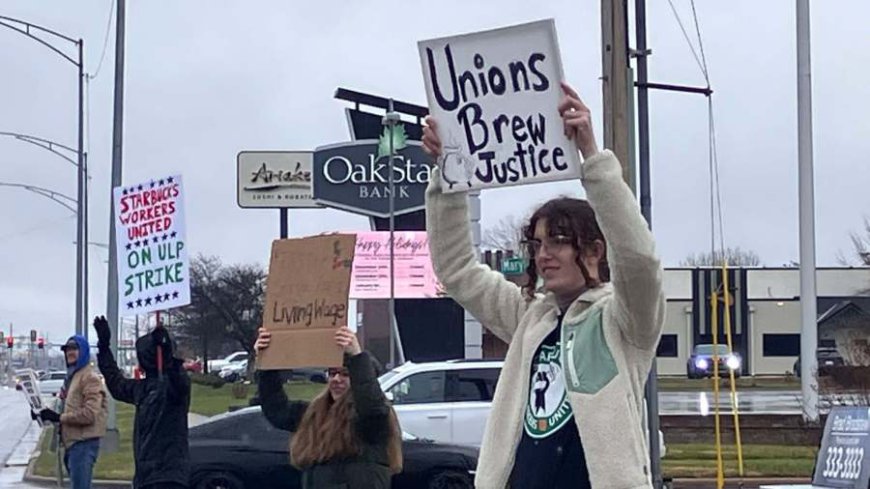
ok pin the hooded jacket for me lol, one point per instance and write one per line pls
(85, 408)
(160, 448)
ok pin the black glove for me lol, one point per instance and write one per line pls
(160, 337)
(103, 333)
(34, 416)
(49, 415)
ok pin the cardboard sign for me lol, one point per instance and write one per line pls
(842, 460)
(414, 278)
(495, 95)
(153, 265)
(306, 301)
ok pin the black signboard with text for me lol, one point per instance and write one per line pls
(842, 460)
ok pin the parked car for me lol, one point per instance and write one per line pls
(700, 363)
(52, 382)
(317, 375)
(242, 450)
(826, 357)
(215, 366)
(234, 371)
(448, 402)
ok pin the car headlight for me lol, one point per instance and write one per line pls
(733, 362)
(701, 363)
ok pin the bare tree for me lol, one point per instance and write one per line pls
(506, 235)
(226, 305)
(735, 256)
(861, 246)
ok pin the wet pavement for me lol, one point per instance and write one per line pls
(748, 402)
(18, 438)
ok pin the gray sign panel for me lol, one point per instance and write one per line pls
(274, 179)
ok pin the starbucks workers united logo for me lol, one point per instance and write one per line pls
(547, 409)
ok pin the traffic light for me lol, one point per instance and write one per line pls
(40, 343)
(9, 341)
(2, 337)
(33, 336)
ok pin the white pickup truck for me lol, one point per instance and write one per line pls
(215, 366)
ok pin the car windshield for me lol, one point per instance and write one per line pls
(383, 379)
(708, 350)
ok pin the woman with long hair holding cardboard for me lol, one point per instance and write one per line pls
(348, 436)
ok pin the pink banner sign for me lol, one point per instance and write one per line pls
(414, 278)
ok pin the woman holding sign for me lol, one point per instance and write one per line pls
(568, 409)
(349, 435)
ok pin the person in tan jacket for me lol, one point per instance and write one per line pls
(83, 413)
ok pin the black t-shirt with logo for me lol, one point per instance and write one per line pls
(550, 454)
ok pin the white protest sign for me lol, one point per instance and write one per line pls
(495, 96)
(153, 265)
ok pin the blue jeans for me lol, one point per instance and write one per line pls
(79, 460)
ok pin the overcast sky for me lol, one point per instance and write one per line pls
(206, 79)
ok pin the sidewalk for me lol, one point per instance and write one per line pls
(27, 452)
(735, 483)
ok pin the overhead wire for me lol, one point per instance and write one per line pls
(105, 41)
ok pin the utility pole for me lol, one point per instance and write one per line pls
(651, 392)
(809, 327)
(617, 86)
(117, 153)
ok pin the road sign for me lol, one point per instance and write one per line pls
(513, 266)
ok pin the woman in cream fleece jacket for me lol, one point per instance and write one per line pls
(568, 409)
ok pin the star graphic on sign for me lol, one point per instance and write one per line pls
(175, 295)
(148, 301)
(137, 244)
(156, 239)
(173, 234)
(165, 237)
(161, 182)
(138, 302)
(132, 190)
(166, 296)
(158, 299)
(152, 184)
(124, 192)
(170, 179)
(129, 246)
(129, 305)
(140, 188)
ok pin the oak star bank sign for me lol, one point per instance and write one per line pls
(354, 176)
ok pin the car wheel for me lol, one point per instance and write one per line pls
(450, 479)
(218, 480)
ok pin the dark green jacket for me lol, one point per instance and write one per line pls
(369, 470)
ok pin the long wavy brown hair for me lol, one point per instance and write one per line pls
(573, 218)
(327, 432)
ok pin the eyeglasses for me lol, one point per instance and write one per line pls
(332, 372)
(553, 244)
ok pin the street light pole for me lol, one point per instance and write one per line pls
(39, 34)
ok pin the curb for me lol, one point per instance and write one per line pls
(746, 482)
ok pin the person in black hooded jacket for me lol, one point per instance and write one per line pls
(162, 400)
